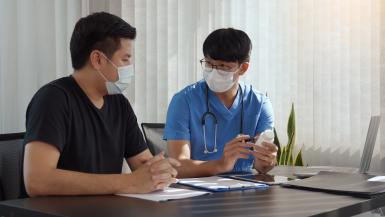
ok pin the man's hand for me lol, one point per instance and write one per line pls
(234, 150)
(265, 156)
(157, 173)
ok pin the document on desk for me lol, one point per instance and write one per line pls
(167, 194)
(218, 184)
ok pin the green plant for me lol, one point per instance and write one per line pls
(285, 153)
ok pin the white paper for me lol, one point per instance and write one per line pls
(167, 194)
(377, 179)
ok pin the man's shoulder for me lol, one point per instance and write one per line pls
(53, 92)
(254, 95)
(193, 90)
(64, 84)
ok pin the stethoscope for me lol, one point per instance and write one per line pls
(209, 113)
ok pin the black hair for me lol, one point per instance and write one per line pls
(98, 31)
(230, 45)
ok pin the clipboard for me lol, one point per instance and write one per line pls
(220, 184)
(263, 178)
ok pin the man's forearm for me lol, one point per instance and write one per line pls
(194, 168)
(65, 182)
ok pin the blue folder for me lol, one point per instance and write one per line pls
(220, 184)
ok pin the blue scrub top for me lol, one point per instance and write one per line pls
(184, 120)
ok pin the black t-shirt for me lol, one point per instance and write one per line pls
(89, 139)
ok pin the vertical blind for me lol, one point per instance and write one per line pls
(322, 55)
(325, 56)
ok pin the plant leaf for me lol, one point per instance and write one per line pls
(291, 121)
(291, 136)
(289, 156)
(291, 128)
(278, 144)
(283, 156)
(298, 159)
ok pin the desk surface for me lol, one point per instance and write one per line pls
(274, 201)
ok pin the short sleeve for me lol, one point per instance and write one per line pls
(135, 143)
(266, 117)
(178, 118)
(47, 118)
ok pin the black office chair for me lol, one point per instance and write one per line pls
(11, 155)
(153, 134)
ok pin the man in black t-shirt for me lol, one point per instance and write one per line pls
(80, 128)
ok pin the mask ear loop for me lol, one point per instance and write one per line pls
(113, 64)
(100, 73)
(241, 78)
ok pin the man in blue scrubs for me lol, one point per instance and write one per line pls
(209, 122)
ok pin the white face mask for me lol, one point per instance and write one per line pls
(218, 80)
(125, 75)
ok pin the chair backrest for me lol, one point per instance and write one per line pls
(153, 134)
(11, 158)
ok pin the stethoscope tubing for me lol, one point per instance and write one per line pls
(210, 113)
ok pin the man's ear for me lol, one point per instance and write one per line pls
(244, 68)
(96, 60)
